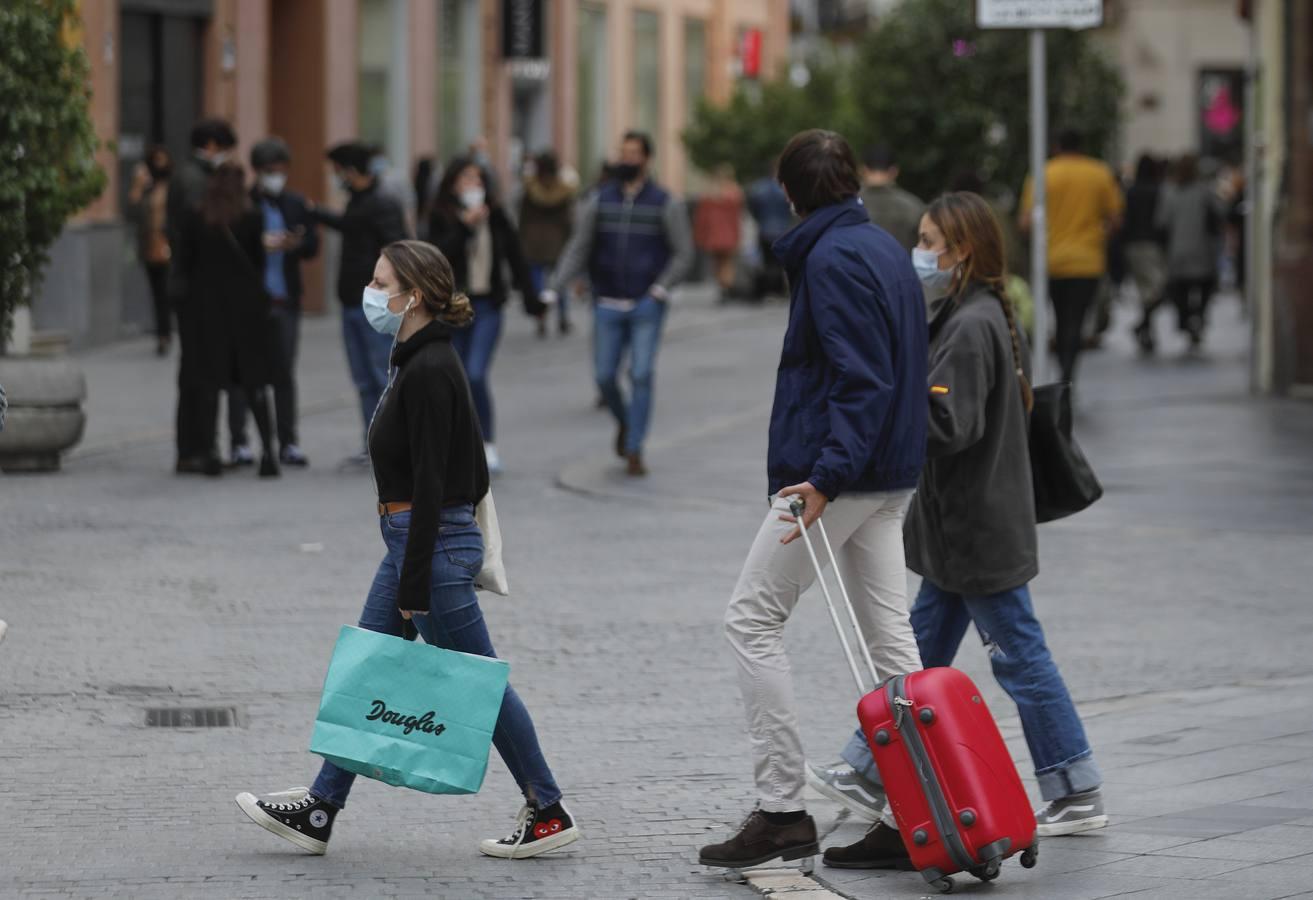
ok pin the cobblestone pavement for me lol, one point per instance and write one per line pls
(1178, 608)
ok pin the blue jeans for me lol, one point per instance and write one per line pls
(476, 344)
(538, 276)
(639, 331)
(1064, 763)
(454, 622)
(367, 354)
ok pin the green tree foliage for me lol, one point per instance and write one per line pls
(946, 97)
(47, 143)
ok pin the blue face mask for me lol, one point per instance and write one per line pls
(375, 304)
(935, 280)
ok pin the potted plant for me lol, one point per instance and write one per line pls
(47, 154)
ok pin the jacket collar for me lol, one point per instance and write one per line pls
(432, 333)
(793, 247)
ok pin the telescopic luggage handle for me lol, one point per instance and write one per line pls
(797, 506)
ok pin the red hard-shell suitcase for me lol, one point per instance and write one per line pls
(953, 788)
(952, 785)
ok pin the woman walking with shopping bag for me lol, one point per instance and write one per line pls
(431, 473)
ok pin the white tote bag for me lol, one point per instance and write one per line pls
(493, 575)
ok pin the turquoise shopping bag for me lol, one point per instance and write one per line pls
(409, 714)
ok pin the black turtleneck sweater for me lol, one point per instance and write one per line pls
(427, 448)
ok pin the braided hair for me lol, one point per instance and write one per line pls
(968, 222)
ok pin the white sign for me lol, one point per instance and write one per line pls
(1039, 13)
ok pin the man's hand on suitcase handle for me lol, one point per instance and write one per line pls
(814, 503)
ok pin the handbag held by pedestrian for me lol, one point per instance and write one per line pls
(409, 714)
(1063, 480)
(953, 788)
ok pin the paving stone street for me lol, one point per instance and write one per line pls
(1178, 608)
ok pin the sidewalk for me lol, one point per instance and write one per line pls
(1177, 607)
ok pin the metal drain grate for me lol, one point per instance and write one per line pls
(196, 717)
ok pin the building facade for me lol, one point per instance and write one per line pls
(422, 78)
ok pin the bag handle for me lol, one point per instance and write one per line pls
(797, 506)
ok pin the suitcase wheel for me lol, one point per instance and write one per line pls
(943, 885)
(1029, 857)
(988, 872)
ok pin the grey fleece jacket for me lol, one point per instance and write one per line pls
(971, 526)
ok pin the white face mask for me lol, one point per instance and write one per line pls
(375, 304)
(272, 183)
(936, 281)
(473, 198)
(219, 158)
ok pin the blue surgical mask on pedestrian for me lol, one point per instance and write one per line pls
(375, 304)
(935, 280)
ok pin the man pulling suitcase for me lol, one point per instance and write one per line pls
(847, 437)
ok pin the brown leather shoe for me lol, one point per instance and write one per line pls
(635, 469)
(758, 841)
(881, 848)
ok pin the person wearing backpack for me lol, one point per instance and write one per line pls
(970, 531)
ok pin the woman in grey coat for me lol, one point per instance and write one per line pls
(1192, 216)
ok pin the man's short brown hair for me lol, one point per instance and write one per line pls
(818, 168)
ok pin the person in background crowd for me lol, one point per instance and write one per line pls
(1235, 197)
(221, 253)
(847, 437)
(430, 474)
(546, 219)
(1192, 216)
(769, 207)
(478, 152)
(427, 174)
(634, 239)
(476, 236)
(290, 237)
(1084, 207)
(394, 183)
(895, 210)
(717, 220)
(212, 142)
(148, 202)
(372, 220)
(1143, 241)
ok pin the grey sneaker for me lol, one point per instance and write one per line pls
(1072, 815)
(861, 796)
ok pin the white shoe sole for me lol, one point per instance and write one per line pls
(249, 805)
(831, 793)
(1075, 826)
(3, 628)
(537, 848)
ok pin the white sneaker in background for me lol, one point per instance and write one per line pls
(494, 459)
(3, 628)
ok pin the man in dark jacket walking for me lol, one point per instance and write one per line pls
(847, 436)
(635, 240)
(290, 237)
(212, 142)
(372, 220)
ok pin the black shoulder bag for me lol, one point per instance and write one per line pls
(1064, 482)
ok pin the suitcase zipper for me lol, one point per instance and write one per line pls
(940, 812)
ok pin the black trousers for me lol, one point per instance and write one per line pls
(158, 276)
(1072, 299)
(287, 321)
(190, 431)
(1191, 297)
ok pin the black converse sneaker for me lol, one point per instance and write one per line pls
(536, 831)
(296, 815)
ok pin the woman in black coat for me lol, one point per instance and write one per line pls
(222, 256)
(472, 230)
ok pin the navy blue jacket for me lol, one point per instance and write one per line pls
(850, 403)
(630, 250)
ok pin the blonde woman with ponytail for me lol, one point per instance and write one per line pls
(970, 531)
(427, 453)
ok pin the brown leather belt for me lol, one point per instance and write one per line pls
(391, 509)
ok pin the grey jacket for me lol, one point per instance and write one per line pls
(971, 526)
(896, 211)
(1192, 215)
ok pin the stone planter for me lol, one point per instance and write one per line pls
(45, 415)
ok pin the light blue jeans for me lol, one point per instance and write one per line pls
(367, 354)
(638, 331)
(1064, 763)
(454, 622)
(476, 345)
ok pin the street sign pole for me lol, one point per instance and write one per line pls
(1039, 224)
